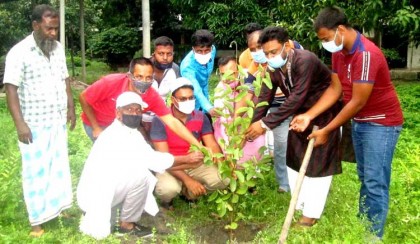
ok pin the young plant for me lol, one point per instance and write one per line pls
(241, 176)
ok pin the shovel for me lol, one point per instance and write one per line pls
(295, 195)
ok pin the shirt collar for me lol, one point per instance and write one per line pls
(357, 44)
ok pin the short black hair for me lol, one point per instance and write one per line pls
(273, 33)
(330, 18)
(163, 41)
(202, 38)
(251, 27)
(225, 60)
(43, 11)
(139, 61)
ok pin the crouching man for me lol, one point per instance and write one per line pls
(191, 183)
(116, 174)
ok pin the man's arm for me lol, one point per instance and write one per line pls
(328, 98)
(360, 95)
(179, 128)
(189, 161)
(71, 116)
(181, 163)
(23, 130)
(88, 110)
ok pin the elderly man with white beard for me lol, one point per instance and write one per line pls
(40, 101)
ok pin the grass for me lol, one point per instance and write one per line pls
(268, 208)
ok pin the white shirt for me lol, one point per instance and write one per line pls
(40, 81)
(119, 154)
(164, 87)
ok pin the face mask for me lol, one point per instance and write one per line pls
(259, 56)
(202, 58)
(331, 46)
(186, 107)
(162, 66)
(142, 86)
(277, 61)
(132, 121)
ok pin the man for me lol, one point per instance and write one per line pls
(192, 182)
(197, 67)
(372, 104)
(165, 70)
(116, 174)
(303, 78)
(40, 101)
(98, 100)
(277, 137)
(245, 59)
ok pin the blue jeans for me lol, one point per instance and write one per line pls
(89, 131)
(374, 146)
(280, 134)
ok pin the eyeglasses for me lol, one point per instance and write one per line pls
(139, 78)
(162, 54)
(184, 99)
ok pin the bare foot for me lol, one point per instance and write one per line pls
(37, 231)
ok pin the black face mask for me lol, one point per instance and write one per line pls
(142, 86)
(162, 66)
(132, 121)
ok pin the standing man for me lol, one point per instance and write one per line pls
(40, 101)
(246, 59)
(165, 70)
(98, 100)
(277, 137)
(370, 102)
(303, 79)
(197, 67)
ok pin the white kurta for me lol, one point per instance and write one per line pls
(118, 155)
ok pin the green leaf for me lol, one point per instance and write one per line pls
(235, 198)
(243, 188)
(213, 196)
(240, 176)
(232, 185)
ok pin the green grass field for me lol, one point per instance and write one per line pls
(266, 209)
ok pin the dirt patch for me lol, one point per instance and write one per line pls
(212, 232)
(215, 232)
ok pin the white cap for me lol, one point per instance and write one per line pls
(181, 81)
(129, 97)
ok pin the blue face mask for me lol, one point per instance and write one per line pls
(142, 86)
(259, 57)
(277, 61)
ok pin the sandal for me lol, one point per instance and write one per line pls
(36, 234)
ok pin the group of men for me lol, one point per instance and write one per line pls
(147, 119)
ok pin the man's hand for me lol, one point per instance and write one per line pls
(254, 131)
(24, 133)
(71, 118)
(195, 187)
(195, 159)
(96, 132)
(321, 137)
(213, 113)
(300, 123)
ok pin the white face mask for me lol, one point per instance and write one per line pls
(331, 46)
(277, 61)
(202, 58)
(259, 56)
(186, 107)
